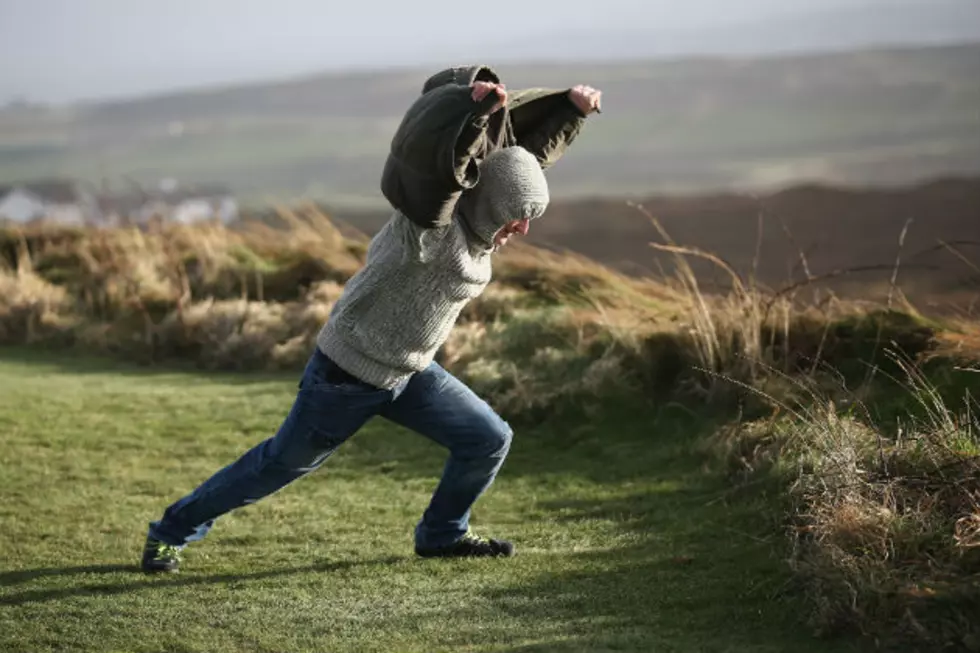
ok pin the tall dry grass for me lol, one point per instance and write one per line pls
(883, 519)
(883, 512)
(240, 298)
(176, 290)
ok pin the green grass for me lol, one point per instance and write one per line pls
(625, 541)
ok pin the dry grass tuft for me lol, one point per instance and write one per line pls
(32, 309)
(249, 298)
(541, 357)
(568, 278)
(884, 521)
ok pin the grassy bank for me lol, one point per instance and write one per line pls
(689, 459)
(623, 543)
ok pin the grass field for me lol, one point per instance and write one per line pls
(626, 541)
(691, 472)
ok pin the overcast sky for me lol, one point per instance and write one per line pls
(62, 50)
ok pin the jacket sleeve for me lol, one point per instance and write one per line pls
(545, 122)
(435, 154)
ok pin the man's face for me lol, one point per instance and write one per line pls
(509, 229)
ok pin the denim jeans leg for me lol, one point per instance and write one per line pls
(441, 407)
(324, 415)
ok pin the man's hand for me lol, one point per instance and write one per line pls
(586, 98)
(482, 89)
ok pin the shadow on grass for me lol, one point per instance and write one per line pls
(148, 582)
(703, 570)
(699, 578)
(8, 578)
(609, 446)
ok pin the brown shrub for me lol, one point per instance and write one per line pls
(31, 309)
(883, 526)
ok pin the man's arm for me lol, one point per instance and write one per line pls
(435, 152)
(488, 98)
(546, 122)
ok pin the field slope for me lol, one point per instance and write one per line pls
(625, 543)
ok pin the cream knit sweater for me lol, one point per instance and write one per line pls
(400, 307)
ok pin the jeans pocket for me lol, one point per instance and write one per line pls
(323, 375)
(353, 388)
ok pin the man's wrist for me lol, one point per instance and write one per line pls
(586, 99)
(575, 106)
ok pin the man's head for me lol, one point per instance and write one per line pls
(511, 191)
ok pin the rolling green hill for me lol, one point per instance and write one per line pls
(886, 116)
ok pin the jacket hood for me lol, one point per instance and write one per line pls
(512, 186)
(498, 125)
(461, 75)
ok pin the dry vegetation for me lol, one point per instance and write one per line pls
(864, 419)
(882, 513)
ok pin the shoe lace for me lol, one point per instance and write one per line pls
(470, 536)
(168, 551)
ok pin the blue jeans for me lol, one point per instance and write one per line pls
(329, 408)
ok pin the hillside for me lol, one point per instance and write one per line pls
(850, 234)
(886, 116)
(692, 473)
(792, 27)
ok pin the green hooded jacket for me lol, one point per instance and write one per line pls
(436, 151)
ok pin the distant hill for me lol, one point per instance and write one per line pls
(788, 29)
(886, 116)
(847, 236)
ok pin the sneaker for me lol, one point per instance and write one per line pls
(159, 556)
(470, 545)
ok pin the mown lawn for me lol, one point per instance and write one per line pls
(625, 542)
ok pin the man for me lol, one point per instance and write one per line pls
(465, 174)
